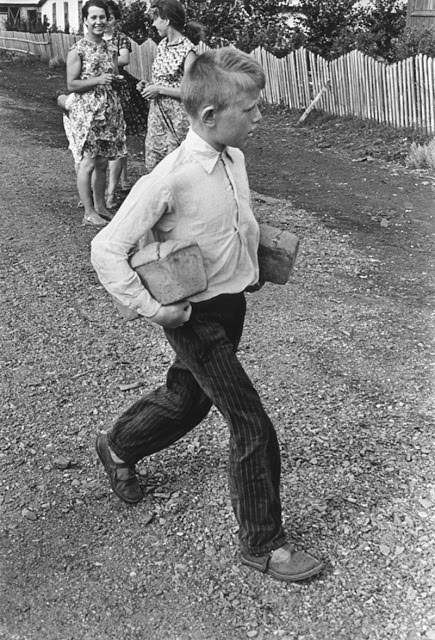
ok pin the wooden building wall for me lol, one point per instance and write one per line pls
(421, 13)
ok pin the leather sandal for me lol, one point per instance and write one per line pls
(122, 476)
(93, 220)
(292, 567)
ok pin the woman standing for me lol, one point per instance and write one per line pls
(167, 120)
(97, 127)
(134, 107)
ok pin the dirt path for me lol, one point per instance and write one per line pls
(342, 357)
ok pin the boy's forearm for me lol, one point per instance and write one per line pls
(112, 247)
(120, 280)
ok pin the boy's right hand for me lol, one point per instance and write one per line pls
(172, 316)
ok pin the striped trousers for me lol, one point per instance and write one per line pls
(206, 371)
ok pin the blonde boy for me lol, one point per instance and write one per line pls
(200, 191)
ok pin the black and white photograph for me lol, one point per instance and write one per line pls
(217, 408)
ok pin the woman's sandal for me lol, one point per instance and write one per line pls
(93, 220)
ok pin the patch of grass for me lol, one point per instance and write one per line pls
(56, 62)
(17, 56)
(421, 156)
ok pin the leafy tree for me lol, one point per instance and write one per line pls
(246, 24)
(328, 26)
(135, 22)
(382, 23)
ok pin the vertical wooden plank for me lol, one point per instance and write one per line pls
(363, 89)
(346, 90)
(390, 96)
(315, 83)
(404, 93)
(420, 88)
(397, 85)
(352, 75)
(294, 66)
(336, 86)
(387, 95)
(411, 91)
(330, 73)
(334, 91)
(307, 84)
(426, 86)
(297, 78)
(370, 92)
(373, 101)
(266, 71)
(431, 77)
(289, 80)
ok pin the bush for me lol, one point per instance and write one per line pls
(415, 40)
(421, 156)
(56, 62)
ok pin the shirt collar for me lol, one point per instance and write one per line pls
(204, 153)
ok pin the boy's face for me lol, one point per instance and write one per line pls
(235, 123)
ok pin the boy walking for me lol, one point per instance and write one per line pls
(200, 192)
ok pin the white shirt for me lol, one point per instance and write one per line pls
(195, 193)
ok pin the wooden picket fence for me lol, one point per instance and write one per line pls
(400, 94)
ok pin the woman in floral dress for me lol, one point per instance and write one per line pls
(167, 120)
(134, 107)
(96, 122)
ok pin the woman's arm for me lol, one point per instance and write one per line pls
(73, 71)
(123, 58)
(153, 90)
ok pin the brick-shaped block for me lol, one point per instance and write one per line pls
(171, 271)
(276, 254)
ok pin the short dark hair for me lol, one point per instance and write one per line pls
(171, 10)
(94, 3)
(217, 77)
(114, 9)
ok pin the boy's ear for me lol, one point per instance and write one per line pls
(208, 116)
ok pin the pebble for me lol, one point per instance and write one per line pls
(30, 515)
(61, 463)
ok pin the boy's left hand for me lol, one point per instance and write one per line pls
(172, 316)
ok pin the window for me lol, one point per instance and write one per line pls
(66, 17)
(79, 9)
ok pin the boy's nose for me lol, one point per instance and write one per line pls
(258, 115)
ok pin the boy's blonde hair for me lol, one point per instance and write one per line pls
(217, 77)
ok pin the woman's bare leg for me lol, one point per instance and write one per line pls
(84, 186)
(115, 169)
(99, 187)
(123, 181)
